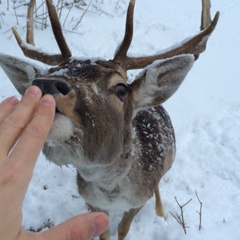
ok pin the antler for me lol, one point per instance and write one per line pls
(121, 54)
(195, 45)
(30, 51)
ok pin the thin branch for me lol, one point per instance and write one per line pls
(44, 21)
(182, 206)
(1, 19)
(200, 212)
(67, 15)
(60, 9)
(180, 218)
(116, 7)
(79, 21)
(14, 7)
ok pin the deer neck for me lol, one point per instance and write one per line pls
(108, 175)
(104, 171)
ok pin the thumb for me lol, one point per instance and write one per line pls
(83, 227)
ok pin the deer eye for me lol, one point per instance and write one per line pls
(121, 91)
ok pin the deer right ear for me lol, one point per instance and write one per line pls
(20, 73)
(159, 81)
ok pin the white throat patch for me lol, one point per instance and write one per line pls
(62, 128)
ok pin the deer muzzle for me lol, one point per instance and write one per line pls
(53, 87)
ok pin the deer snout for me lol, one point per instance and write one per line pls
(52, 86)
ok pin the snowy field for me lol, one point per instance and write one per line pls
(205, 113)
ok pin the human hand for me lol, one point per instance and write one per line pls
(24, 127)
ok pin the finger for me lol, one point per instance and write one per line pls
(83, 227)
(7, 106)
(26, 151)
(13, 125)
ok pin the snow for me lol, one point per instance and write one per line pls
(205, 113)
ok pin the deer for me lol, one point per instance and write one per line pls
(116, 134)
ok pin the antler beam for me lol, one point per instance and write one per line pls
(195, 45)
(30, 51)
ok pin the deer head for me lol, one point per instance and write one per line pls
(92, 94)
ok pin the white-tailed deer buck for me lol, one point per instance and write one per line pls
(116, 134)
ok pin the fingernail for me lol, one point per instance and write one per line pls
(47, 100)
(34, 91)
(12, 101)
(99, 225)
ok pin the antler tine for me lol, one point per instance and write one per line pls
(30, 51)
(195, 45)
(206, 15)
(205, 21)
(57, 31)
(121, 53)
(30, 28)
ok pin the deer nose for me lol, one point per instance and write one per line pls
(52, 86)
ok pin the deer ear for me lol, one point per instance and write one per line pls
(159, 81)
(20, 73)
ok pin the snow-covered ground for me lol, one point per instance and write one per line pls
(205, 113)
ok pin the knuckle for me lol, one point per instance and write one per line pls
(5, 107)
(10, 172)
(44, 111)
(75, 234)
(29, 101)
(35, 131)
(14, 122)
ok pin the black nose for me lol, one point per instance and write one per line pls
(52, 86)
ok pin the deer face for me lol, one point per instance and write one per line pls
(93, 108)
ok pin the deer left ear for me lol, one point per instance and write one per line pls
(20, 73)
(159, 81)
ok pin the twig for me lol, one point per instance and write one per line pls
(45, 16)
(100, 11)
(116, 7)
(67, 14)
(1, 19)
(200, 212)
(36, 11)
(60, 9)
(79, 21)
(180, 218)
(14, 7)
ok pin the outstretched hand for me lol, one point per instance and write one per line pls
(24, 127)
